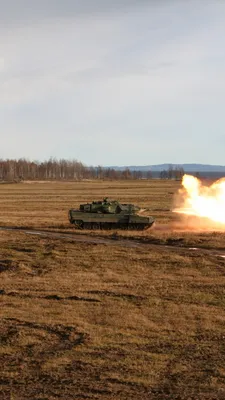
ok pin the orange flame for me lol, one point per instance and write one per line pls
(202, 201)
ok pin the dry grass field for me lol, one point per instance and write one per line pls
(46, 204)
(139, 318)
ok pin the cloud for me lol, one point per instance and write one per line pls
(101, 73)
(2, 64)
(25, 10)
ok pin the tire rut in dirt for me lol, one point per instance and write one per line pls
(49, 297)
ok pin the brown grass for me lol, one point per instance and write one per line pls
(97, 321)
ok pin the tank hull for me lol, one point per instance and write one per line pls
(84, 220)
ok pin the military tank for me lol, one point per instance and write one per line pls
(109, 214)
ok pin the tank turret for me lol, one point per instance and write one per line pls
(108, 206)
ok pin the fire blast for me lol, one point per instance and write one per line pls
(202, 201)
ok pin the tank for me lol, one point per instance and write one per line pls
(109, 214)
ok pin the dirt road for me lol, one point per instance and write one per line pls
(117, 240)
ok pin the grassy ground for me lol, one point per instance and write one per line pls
(97, 321)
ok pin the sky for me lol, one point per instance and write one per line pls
(119, 82)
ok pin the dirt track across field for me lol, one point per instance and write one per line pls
(115, 239)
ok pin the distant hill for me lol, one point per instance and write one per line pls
(161, 167)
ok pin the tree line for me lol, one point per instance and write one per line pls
(53, 169)
(172, 172)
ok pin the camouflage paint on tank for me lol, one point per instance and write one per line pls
(109, 214)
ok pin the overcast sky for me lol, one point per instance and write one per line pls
(119, 82)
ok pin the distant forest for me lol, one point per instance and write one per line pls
(53, 169)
